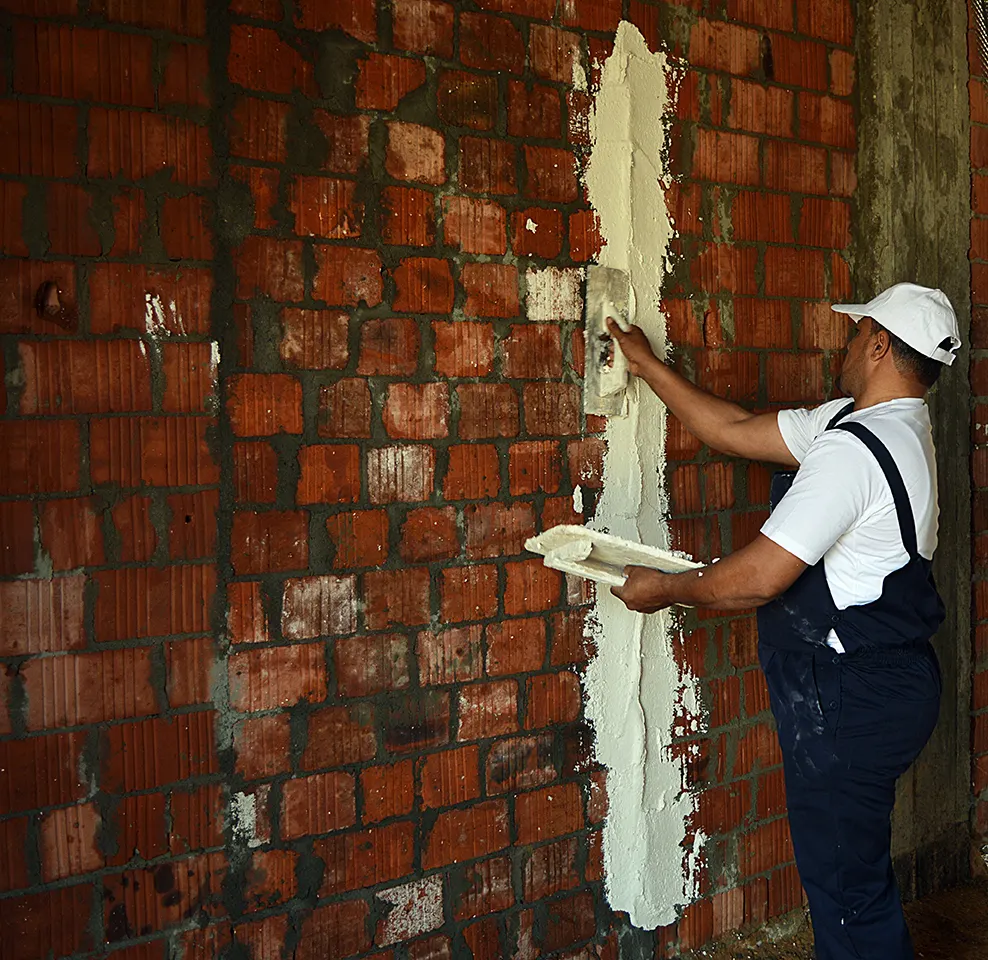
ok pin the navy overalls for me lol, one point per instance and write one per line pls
(849, 725)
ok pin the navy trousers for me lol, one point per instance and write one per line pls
(849, 726)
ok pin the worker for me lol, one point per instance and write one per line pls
(841, 576)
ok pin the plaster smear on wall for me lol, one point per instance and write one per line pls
(633, 686)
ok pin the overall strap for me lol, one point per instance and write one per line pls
(903, 509)
(839, 415)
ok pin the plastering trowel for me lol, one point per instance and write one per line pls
(605, 382)
(601, 556)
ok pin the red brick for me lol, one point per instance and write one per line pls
(423, 26)
(794, 273)
(534, 110)
(258, 129)
(832, 20)
(468, 593)
(369, 665)
(140, 145)
(58, 60)
(416, 153)
(13, 837)
(12, 197)
(475, 226)
(601, 15)
(497, 529)
(328, 473)
(88, 688)
(189, 666)
(798, 63)
(185, 76)
(826, 120)
(530, 587)
(429, 534)
(317, 606)
(326, 207)
(68, 842)
(537, 231)
(365, 858)
(491, 43)
(339, 736)
(758, 745)
(467, 834)
(408, 217)
(269, 540)
(520, 764)
(270, 877)
(400, 473)
(487, 410)
(344, 409)
(261, 404)
(358, 18)
(360, 538)
(579, 107)
(196, 819)
(483, 939)
(172, 301)
(156, 752)
(549, 812)
(345, 276)
(70, 220)
(483, 887)
(463, 349)
(724, 46)
(192, 533)
(516, 646)
(261, 745)
(34, 144)
(761, 109)
(184, 225)
(255, 472)
(551, 409)
(487, 710)
(190, 371)
(396, 597)
(178, 16)
(726, 158)
(765, 847)
(491, 289)
(487, 165)
(473, 472)
(314, 339)
(346, 140)
(336, 929)
(467, 100)
(534, 466)
(533, 351)
(550, 869)
(449, 655)
(776, 16)
(389, 791)
(269, 267)
(584, 236)
(383, 81)
(825, 223)
(417, 722)
(137, 537)
(450, 777)
(260, 60)
(150, 609)
(553, 52)
(265, 678)
(52, 923)
(553, 698)
(70, 533)
(842, 74)
(389, 346)
(417, 411)
(17, 526)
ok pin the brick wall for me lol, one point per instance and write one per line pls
(979, 423)
(279, 673)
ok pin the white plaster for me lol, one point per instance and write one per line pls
(531, 226)
(417, 908)
(553, 295)
(243, 818)
(634, 689)
(578, 499)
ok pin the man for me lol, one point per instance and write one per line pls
(840, 574)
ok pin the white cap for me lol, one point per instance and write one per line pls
(920, 316)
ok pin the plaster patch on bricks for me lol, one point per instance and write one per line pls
(634, 689)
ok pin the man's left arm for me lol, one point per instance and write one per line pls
(751, 577)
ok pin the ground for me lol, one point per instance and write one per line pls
(949, 926)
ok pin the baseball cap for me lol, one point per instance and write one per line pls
(920, 316)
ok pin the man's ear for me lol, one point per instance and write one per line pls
(881, 345)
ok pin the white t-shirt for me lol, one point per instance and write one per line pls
(840, 506)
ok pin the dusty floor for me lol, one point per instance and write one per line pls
(948, 926)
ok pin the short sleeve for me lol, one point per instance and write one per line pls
(799, 428)
(830, 494)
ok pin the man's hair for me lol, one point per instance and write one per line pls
(909, 360)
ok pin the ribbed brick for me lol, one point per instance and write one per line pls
(466, 834)
(258, 129)
(415, 152)
(429, 534)
(42, 772)
(185, 78)
(318, 606)
(827, 120)
(537, 232)
(70, 533)
(137, 538)
(549, 812)
(467, 100)
(553, 698)
(12, 197)
(724, 46)
(401, 473)
(152, 300)
(338, 929)
(389, 346)
(530, 587)
(338, 736)
(534, 110)
(551, 409)
(425, 285)
(51, 923)
(475, 226)
(69, 842)
(160, 451)
(80, 64)
(269, 677)
(553, 52)
(520, 763)
(449, 655)
(347, 275)
(365, 858)
(246, 622)
(389, 791)
(189, 666)
(270, 267)
(261, 745)
(358, 19)
(360, 538)
(384, 81)
(487, 165)
(488, 710)
(424, 26)
(468, 593)
(396, 597)
(328, 473)
(491, 43)
(269, 540)
(259, 404)
(515, 646)
(799, 63)
(184, 227)
(326, 207)
(726, 158)
(34, 144)
(139, 145)
(260, 60)
(408, 217)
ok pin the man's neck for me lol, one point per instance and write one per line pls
(878, 393)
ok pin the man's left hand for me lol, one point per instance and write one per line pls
(645, 590)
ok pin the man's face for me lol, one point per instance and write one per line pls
(852, 374)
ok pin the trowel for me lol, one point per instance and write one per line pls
(605, 381)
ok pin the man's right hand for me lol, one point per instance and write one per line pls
(635, 347)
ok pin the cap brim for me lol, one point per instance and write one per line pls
(857, 310)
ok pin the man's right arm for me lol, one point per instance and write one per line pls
(720, 424)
